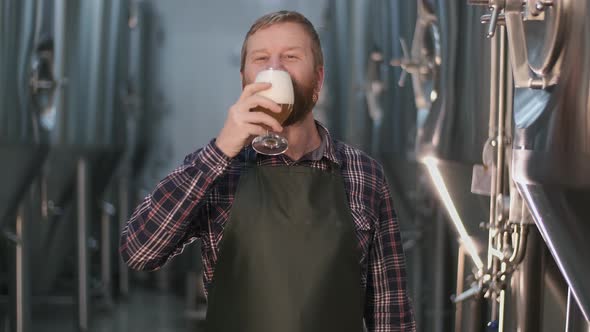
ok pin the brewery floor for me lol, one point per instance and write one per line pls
(144, 310)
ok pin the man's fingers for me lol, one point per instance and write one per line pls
(255, 130)
(255, 100)
(253, 88)
(263, 119)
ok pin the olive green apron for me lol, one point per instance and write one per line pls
(288, 260)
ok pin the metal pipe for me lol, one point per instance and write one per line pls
(23, 285)
(439, 268)
(83, 192)
(492, 262)
(520, 250)
(105, 252)
(459, 290)
(527, 285)
(502, 311)
(460, 287)
(500, 142)
(492, 134)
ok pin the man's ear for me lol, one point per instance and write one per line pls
(320, 73)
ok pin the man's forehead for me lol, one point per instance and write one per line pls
(287, 35)
(288, 48)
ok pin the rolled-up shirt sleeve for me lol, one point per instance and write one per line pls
(174, 213)
(388, 306)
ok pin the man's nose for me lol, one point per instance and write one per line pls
(275, 62)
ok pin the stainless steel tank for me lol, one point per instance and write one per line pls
(452, 97)
(551, 149)
(540, 125)
(22, 143)
(71, 69)
(89, 116)
(449, 64)
(439, 113)
(89, 120)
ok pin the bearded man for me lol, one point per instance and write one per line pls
(304, 241)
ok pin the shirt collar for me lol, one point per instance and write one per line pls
(325, 150)
(327, 146)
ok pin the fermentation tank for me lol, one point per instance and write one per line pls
(62, 99)
(551, 148)
(495, 129)
(87, 127)
(23, 143)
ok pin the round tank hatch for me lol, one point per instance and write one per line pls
(424, 60)
(544, 32)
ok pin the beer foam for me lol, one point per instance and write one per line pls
(281, 91)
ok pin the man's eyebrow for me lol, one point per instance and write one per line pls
(294, 48)
(258, 50)
(288, 49)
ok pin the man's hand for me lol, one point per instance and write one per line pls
(241, 124)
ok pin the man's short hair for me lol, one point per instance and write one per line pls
(285, 16)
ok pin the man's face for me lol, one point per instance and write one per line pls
(286, 46)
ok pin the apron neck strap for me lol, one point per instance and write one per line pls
(333, 167)
(251, 161)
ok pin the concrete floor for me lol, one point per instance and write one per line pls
(144, 310)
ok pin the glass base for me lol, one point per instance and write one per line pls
(270, 144)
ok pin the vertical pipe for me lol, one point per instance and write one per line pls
(492, 130)
(498, 179)
(439, 268)
(83, 193)
(460, 287)
(527, 285)
(23, 286)
(502, 102)
(123, 215)
(502, 307)
(492, 133)
(501, 145)
(105, 254)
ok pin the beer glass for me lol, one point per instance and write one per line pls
(281, 93)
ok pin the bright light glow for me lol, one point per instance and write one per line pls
(433, 95)
(441, 187)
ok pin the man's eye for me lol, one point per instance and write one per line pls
(260, 58)
(291, 56)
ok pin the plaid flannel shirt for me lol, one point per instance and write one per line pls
(194, 201)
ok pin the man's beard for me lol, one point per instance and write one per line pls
(304, 102)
